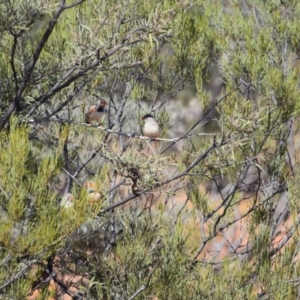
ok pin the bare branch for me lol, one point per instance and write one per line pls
(18, 275)
(29, 69)
(160, 184)
(142, 288)
(72, 4)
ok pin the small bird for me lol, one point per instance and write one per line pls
(93, 194)
(151, 128)
(67, 201)
(95, 112)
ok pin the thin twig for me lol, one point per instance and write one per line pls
(142, 288)
(130, 135)
(18, 275)
(29, 69)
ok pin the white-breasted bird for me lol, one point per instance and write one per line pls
(151, 128)
(95, 112)
(67, 201)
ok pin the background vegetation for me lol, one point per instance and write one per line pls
(209, 211)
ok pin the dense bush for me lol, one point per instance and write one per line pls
(207, 211)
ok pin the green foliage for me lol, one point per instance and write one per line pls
(183, 234)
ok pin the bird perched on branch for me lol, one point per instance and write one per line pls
(151, 128)
(95, 234)
(95, 112)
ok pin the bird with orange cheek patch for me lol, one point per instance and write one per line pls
(94, 195)
(95, 112)
(67, 201)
